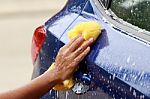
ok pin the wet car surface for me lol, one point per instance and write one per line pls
(118, 64)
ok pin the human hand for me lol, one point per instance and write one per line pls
(69, 56)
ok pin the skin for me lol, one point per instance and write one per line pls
(67, 61)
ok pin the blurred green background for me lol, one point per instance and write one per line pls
(18, 20)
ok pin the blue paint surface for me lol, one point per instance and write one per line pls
(118, 63)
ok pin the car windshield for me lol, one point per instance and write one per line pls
(136, 12)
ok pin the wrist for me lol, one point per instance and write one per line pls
(52, 77)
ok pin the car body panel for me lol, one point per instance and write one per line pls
(118, 61)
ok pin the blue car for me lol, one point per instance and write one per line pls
(118, 65)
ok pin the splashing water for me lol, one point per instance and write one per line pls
(66, 97)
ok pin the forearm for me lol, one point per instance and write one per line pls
(34, 90)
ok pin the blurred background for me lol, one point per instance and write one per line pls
(18, 20)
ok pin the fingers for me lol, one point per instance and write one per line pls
(83, 47)
(76, 43)
(67, 45)
(81, 56)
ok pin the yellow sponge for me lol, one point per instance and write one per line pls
(88, 30)
(65, 85)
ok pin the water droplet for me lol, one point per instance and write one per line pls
(56, 40)
(120, 68)
(134, 93)
(136, 9)
(110, 77)
(131, 10)
(109, 89)
(141, 84)
(104, 19)
(106, 11)
(41, 58)
(57, 95)
(124, 77)
(93, 77)
(141, 96)
(133, 64)
(108, 81)
(53, 97)
(66, 95)
(128, 59)
(130, 89)
(135, 77)
(54, 50)
(114, 75)
(113, 96)
(122, 90)
(104, 79)
(92, 94)
(48, 44)
(148, 87)
(141, 75)
(53, 58)
(50, 92)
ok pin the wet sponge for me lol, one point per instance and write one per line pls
(65, 85)
(88, 30)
